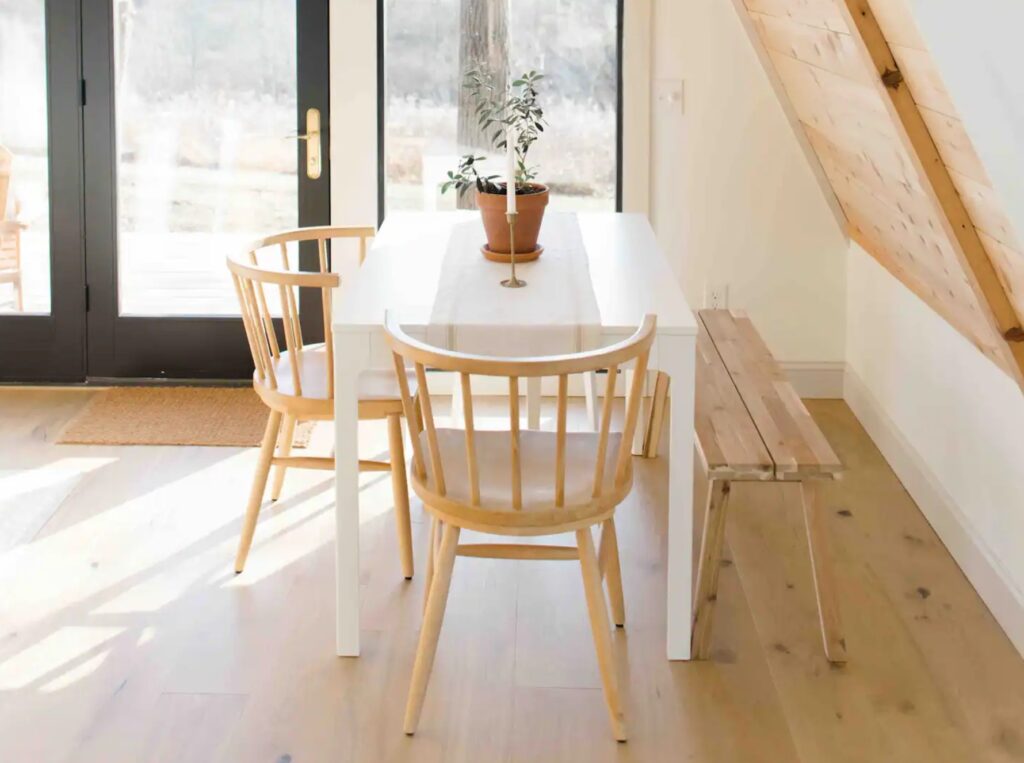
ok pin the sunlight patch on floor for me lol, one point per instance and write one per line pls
(51, 653)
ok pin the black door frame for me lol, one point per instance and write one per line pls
(52, 347)
(178, 347)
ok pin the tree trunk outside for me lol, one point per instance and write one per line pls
(483, 44)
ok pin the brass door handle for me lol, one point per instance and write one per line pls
(314, 164)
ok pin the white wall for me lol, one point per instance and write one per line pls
(949, 422)
(733, 197)
(977, 48)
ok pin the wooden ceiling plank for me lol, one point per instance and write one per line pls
(960, 319)
(924, 80)
(898, 25)
(984, 279)
(821, 14)
(833, 51)
(954, 145)
(987, 210)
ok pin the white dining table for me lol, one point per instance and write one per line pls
(630, 278)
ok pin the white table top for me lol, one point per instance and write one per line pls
(631, 276)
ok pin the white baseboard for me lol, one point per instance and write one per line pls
(976, 561)
(823, 379)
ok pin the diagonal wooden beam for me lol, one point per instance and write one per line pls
(936, 181)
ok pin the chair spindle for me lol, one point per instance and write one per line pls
(292, 302)
(289, 338)
(606, 425)
(428, 421)
(410, 416)
(561, 423)
(517, 467)
(632, 413)
(471, 462)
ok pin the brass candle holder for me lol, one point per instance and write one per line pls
(513, 282)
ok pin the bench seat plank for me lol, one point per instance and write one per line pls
(793, 440)
(729, 442)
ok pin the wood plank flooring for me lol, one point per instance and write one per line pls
(125, 636)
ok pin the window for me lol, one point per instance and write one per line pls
(24, 168)
(428, 44)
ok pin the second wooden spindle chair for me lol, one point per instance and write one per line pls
(296, 379)
(522, 483)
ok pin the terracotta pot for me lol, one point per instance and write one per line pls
(531, 215)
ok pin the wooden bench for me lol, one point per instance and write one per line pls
(752, 426)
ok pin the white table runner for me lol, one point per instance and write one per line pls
(555, 313)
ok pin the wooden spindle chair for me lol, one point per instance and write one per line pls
(296, 379)
(517, 482)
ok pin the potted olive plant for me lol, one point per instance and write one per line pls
(497, 112)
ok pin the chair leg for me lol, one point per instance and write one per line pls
(608, 555)
(20, 293)
(431, 629)
(602, 631)
(824, 574)
(708, 567)
(259, 485)
(657, 420)
(284, 449)
(435, 531)
(400, 488)
(590, 393)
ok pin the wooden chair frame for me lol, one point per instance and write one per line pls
(281, 383)
(610, 481)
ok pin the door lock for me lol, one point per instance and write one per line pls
(314, 163)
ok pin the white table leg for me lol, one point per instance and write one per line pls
(590, 392)
(456, 418)
(676, 357)
(351, 351)
(533, 402)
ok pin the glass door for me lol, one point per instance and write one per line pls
(42, 286)
(192, 119)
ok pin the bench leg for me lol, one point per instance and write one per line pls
(657, 416)
(824, 574)
(708, 567)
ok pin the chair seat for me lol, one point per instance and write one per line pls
(378, 390)
(538, 453)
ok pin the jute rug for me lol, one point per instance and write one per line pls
(227, 416)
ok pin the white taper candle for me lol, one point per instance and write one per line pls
(510, 169)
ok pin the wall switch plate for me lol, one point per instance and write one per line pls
(668, 94)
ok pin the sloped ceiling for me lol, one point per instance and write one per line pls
(901, 165)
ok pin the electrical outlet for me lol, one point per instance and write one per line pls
(716, 296)
(668, 94)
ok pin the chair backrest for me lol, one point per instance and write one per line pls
(257, 284)
(6, 161)
(614, 359)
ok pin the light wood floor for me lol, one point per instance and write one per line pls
(124, 635)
